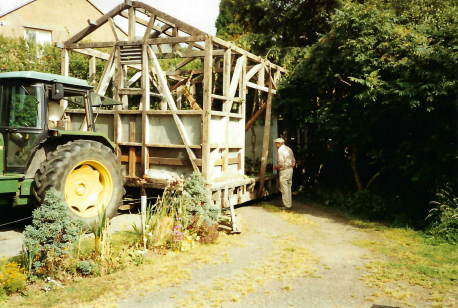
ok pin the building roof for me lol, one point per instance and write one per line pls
(46, 77)
(16, 8)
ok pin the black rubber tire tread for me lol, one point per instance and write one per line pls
(60, 162)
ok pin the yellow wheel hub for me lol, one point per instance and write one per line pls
(88, 188)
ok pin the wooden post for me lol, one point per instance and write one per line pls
(116, 83)
(92, 70)
(242, 111)
(64, 72)
(206, 113)
(132, 24)
(64, 62)
(145, 107)
(226, 90)
(265, 141)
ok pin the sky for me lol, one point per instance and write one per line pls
(200, 14)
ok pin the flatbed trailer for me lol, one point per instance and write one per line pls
(175, 121)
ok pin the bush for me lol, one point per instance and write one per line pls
(197, 200)
(445, 215)
(87, 267)
(12, 279)
(53, 231)
(369, 204)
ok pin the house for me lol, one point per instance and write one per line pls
(50, 21)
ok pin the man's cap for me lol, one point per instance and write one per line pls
(279, 140)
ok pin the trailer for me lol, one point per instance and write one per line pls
(178, 120)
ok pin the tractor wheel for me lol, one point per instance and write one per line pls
(88, 174)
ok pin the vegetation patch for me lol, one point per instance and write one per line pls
(409, 267)
(291, 217)
(288, 260)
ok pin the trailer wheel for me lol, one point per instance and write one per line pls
(88, 174)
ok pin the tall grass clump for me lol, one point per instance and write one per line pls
(182, 217)
(445, 215)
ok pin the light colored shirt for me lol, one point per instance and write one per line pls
(285, 158)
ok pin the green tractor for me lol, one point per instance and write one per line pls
(37, 153)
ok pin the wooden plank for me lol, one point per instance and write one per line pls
(258, 87)
(145, 102)
(64, 63)
(172, 161)
(175, 47)
(253, 71)
(265, 141)
(183, 63)
(113, 29)
(191, 99)
(180, 112)
(227, 68)
(249, 55)
(93, 53)
(132, 160)
(92, 71)
(168, 96)
(130, 91)
(111, 66)
(132, 121)
(100, 22)
(106, 74)
(172, 146)
(134, 78)
(132, 24)
(149, 27)
(242, 112)
(255, 117)
(168, 19)
(206, 115)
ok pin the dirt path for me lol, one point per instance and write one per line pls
(301, 258)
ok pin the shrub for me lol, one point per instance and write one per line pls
(12, 279)
(445, 215)
(87, 267)
(52, 230)
(208, 234)
(197, 200)
(369, 205)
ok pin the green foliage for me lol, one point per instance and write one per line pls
(382, 84)
(20, 55)
(53, 231)
(87, 267)
(197, 199)
(276, 29)
(12, 278)
(445, 216)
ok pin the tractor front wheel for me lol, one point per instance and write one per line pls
(88, 174)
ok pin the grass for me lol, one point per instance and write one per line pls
(155, 274)
(405, 261)
(287, 260)
(291, 217)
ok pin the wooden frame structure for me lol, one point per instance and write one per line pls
(156, 143)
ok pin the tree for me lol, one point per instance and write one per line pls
(382, 85)
(274, 28)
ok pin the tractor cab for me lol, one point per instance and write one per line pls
(32, 104)
(33, 128)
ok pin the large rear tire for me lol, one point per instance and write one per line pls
(88, 174)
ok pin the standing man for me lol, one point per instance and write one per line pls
(286, 163)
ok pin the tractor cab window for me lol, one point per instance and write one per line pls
(21, 121)
(20, 106)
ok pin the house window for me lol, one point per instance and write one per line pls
(37, 36)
